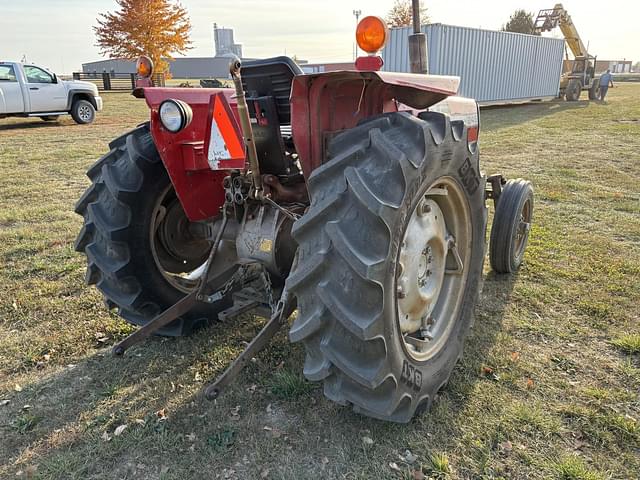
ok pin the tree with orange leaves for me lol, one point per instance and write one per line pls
(156, 28)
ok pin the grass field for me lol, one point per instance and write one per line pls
(548, 387)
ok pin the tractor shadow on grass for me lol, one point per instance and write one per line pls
(269, 418)
(497, 117)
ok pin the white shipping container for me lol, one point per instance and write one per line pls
(494, 67)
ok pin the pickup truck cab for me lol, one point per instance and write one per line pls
(31, 91)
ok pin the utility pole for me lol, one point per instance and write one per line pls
(417, 43)
(356, 14)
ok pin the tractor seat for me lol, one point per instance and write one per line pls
(271, 77)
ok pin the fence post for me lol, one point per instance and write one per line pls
(133, 81)
(106, 80)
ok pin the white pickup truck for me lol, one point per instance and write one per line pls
(32, 91)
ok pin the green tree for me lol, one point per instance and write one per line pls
(401, 14)
(156, 28)
(521, 21)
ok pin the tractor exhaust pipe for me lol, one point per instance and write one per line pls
(245, 124)
(417, 43)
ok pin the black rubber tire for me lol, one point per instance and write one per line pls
(594, 89)
(574, 88)
(49, 118)
(502, 245)
(117, 210)
(344, 281)
(76, 115)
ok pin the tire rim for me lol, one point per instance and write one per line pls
(432, 268)
(522, 231)
(84, 112)
(178, 255)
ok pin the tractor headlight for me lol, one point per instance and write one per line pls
(175, 115)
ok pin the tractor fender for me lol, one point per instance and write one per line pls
(323, 104)
(198, 186)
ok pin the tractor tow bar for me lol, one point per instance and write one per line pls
(179, 308)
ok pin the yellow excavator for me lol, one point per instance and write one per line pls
(582, 74)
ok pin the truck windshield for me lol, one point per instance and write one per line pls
(7, 74)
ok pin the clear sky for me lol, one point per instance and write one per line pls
(58, 33)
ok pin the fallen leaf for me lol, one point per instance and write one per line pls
(367, 440)
(17, 387)
(198, 377)
(118, 431)
(252, 388)
(408, 457)
(515, 356)
(394, 466)
(140, 421)
(26, 407)
(14, 305)
(173, 387)
(418, 475)
(506, 446)
(325, 461)
(487, 370)
(264, 473)
(30, 471)
(529, 383)
(235, 413)
(161, 414)
(46, 357)
(164, 470)
(191, 437)
(269, 409)
(106, 437)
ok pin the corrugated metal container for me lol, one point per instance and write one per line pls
(494, 67)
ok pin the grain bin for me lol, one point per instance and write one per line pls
(494, 67)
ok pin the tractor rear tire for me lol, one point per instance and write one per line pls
(511, 225)
(120, 236)
(350, 270)
(574, 88)
(594, 90)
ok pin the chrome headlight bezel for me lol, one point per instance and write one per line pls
(175, 115)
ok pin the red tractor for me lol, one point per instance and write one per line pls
(354, 196)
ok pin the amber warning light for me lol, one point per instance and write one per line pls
(371, 34)
(144, 67)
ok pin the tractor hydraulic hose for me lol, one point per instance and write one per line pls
(245, 124)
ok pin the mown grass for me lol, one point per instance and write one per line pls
(548, 387)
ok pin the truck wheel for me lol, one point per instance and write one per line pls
(511, 225)
(49, 118)
(390, 258)
(83, 112)
(594, 90)
(139, 250)
(574, 88)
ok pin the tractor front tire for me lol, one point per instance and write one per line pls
(126, 210)
(397, 215)
(574, 87)
(511, 225)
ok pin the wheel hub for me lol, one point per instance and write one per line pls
(432, 268)
(422, 260)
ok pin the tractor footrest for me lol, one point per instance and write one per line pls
(246, 300)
